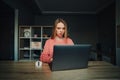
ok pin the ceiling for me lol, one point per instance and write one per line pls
(61, 6)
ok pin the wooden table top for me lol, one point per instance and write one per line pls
(97, 70)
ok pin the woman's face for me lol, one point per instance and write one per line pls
(60, 30)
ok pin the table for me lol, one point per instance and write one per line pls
(97, 70)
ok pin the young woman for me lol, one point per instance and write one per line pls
(59, 37)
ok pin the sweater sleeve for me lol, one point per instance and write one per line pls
(69, 41)
(45, 55)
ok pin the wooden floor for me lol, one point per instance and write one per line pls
(97, 70)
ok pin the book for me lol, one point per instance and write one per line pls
(36, 45)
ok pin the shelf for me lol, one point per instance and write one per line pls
(32, 40)
(24, 48)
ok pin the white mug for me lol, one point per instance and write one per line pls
(38, 64)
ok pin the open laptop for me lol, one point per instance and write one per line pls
(70, 57)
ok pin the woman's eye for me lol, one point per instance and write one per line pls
(63, 28)
(58, 28)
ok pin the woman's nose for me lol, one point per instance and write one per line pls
(60, 29)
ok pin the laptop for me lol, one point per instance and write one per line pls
(66, 57)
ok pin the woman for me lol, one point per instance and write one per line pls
(59, 37)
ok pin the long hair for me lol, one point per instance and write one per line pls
(55, 25)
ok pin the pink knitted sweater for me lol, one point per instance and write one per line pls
(47, 53)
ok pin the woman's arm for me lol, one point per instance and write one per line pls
(69, 41)
(45, 55)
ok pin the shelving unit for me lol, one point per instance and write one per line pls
(32, 40)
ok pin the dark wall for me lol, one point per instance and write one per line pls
(6, 31)
(82, 28)
(117, 12)
(106, 31)
(26, 18)
(7, 28)
(118, 22)
(118, 36)
(118, 32)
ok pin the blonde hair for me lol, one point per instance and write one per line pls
(55, 25)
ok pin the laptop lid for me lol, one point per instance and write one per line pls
(70, 57)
